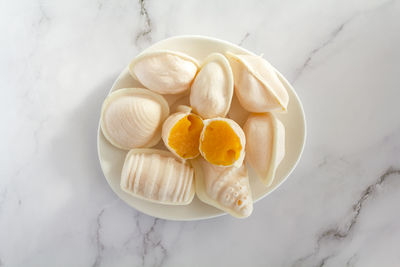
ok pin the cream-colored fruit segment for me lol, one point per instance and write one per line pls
(212, 90)
(132, 118)
(157, 176)
(226, 188)
(164, 71)
(257, 84)
(265, 146)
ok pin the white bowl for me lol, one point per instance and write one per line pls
(112, 158)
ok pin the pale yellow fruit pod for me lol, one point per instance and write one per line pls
(265, 146)
(164, 71)
(226, 188)
(257, 85)
(212, 89)
(132, 118)
(157, 176)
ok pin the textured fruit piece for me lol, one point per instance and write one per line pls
(132, 118)
(164, 71)
(212, 89)
(265, 146)
(226, 188)
(157, 176)
(257, 85)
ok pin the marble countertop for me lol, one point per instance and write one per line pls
(340, 207)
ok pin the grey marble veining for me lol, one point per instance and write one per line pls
(338, 208)
(339, 233)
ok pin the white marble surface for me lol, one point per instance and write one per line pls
(340, 207)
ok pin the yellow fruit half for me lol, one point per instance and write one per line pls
(222, 142)
(181, 134)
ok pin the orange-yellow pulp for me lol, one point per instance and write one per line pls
(220, 144)
(184, 136)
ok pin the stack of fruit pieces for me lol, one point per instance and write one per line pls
(206, 151)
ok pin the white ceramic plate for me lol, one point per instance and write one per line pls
(112, 158)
